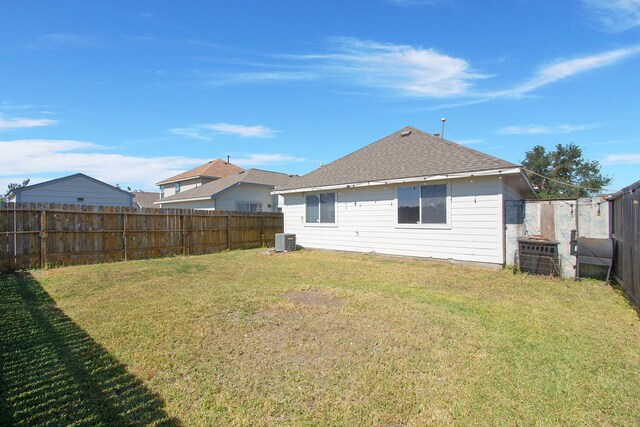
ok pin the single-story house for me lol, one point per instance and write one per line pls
(145, 199)
(77, 189)
(247, 191)
(411, 193)
(196, 177)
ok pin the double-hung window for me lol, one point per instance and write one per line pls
(177, 187)
(423, 204)
(320, 208)
(249, 207)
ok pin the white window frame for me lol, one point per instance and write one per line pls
(176, 188)
(161, 192)
(335, 210)
(442, 226)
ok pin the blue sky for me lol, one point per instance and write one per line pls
(132, 92)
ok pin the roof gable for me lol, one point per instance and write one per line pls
(215, 169)
(66, 178)
(406, 153)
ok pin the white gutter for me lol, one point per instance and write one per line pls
(528, 181)
(195, 199)
(405, 180)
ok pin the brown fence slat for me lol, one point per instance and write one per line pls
(625, 230)
(35, 235)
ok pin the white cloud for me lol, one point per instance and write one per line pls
(206, 132)
(622, 159)
(564, 69)
(258, 131)
(264, 77)
(43, 159)
(407, 70)
(616, 15)
(190, 133)
(56, 158)
(266, 159)
(411, 70)
(542, 129)
(21, 123)
(72, 40)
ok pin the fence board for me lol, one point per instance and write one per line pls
(40, 234)
(625, 230)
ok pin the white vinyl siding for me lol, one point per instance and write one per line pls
(187, 184)
(76, 190)
(228, 199)
(366, 221)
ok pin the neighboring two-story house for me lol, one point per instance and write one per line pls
(196, 177)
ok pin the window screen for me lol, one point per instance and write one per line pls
(434, 204)
(409, 205)
(321, 208)
(312, 209)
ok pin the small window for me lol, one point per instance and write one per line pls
(321, 208)
(161, 192)
(80, 199)
(426, 204)
(249, 207)
(177, 187)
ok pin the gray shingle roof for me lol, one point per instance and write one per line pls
(249, 176)
(417, 154)
(145, 199)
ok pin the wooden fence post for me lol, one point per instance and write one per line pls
(124, 235)
(43, 239)
(185, 236)
(228, 231)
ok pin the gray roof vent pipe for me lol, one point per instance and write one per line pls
(444, 119)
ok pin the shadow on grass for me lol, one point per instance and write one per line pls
(53, 373)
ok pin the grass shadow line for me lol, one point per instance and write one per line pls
(53, 373)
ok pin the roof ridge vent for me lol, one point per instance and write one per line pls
(405, 133)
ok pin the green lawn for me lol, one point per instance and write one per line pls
(233, 339)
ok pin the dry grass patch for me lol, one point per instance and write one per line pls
(308, 338)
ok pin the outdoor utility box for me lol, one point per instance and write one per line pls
(593, 252)
(285, 242)
(538, 256)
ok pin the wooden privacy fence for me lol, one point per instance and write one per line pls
(625, 230)
(37, 235)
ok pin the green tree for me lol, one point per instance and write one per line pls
(563, 173)
(14, 186)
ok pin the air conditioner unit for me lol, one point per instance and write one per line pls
(285, 242)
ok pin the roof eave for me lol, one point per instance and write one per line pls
(490, 172)
(193, 199)
(171, 180)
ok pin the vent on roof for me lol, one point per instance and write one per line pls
(405, 133)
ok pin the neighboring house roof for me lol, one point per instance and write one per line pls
(144, 199)
(407, 153)
(65, 178)
(215, 169)
(210, 189)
